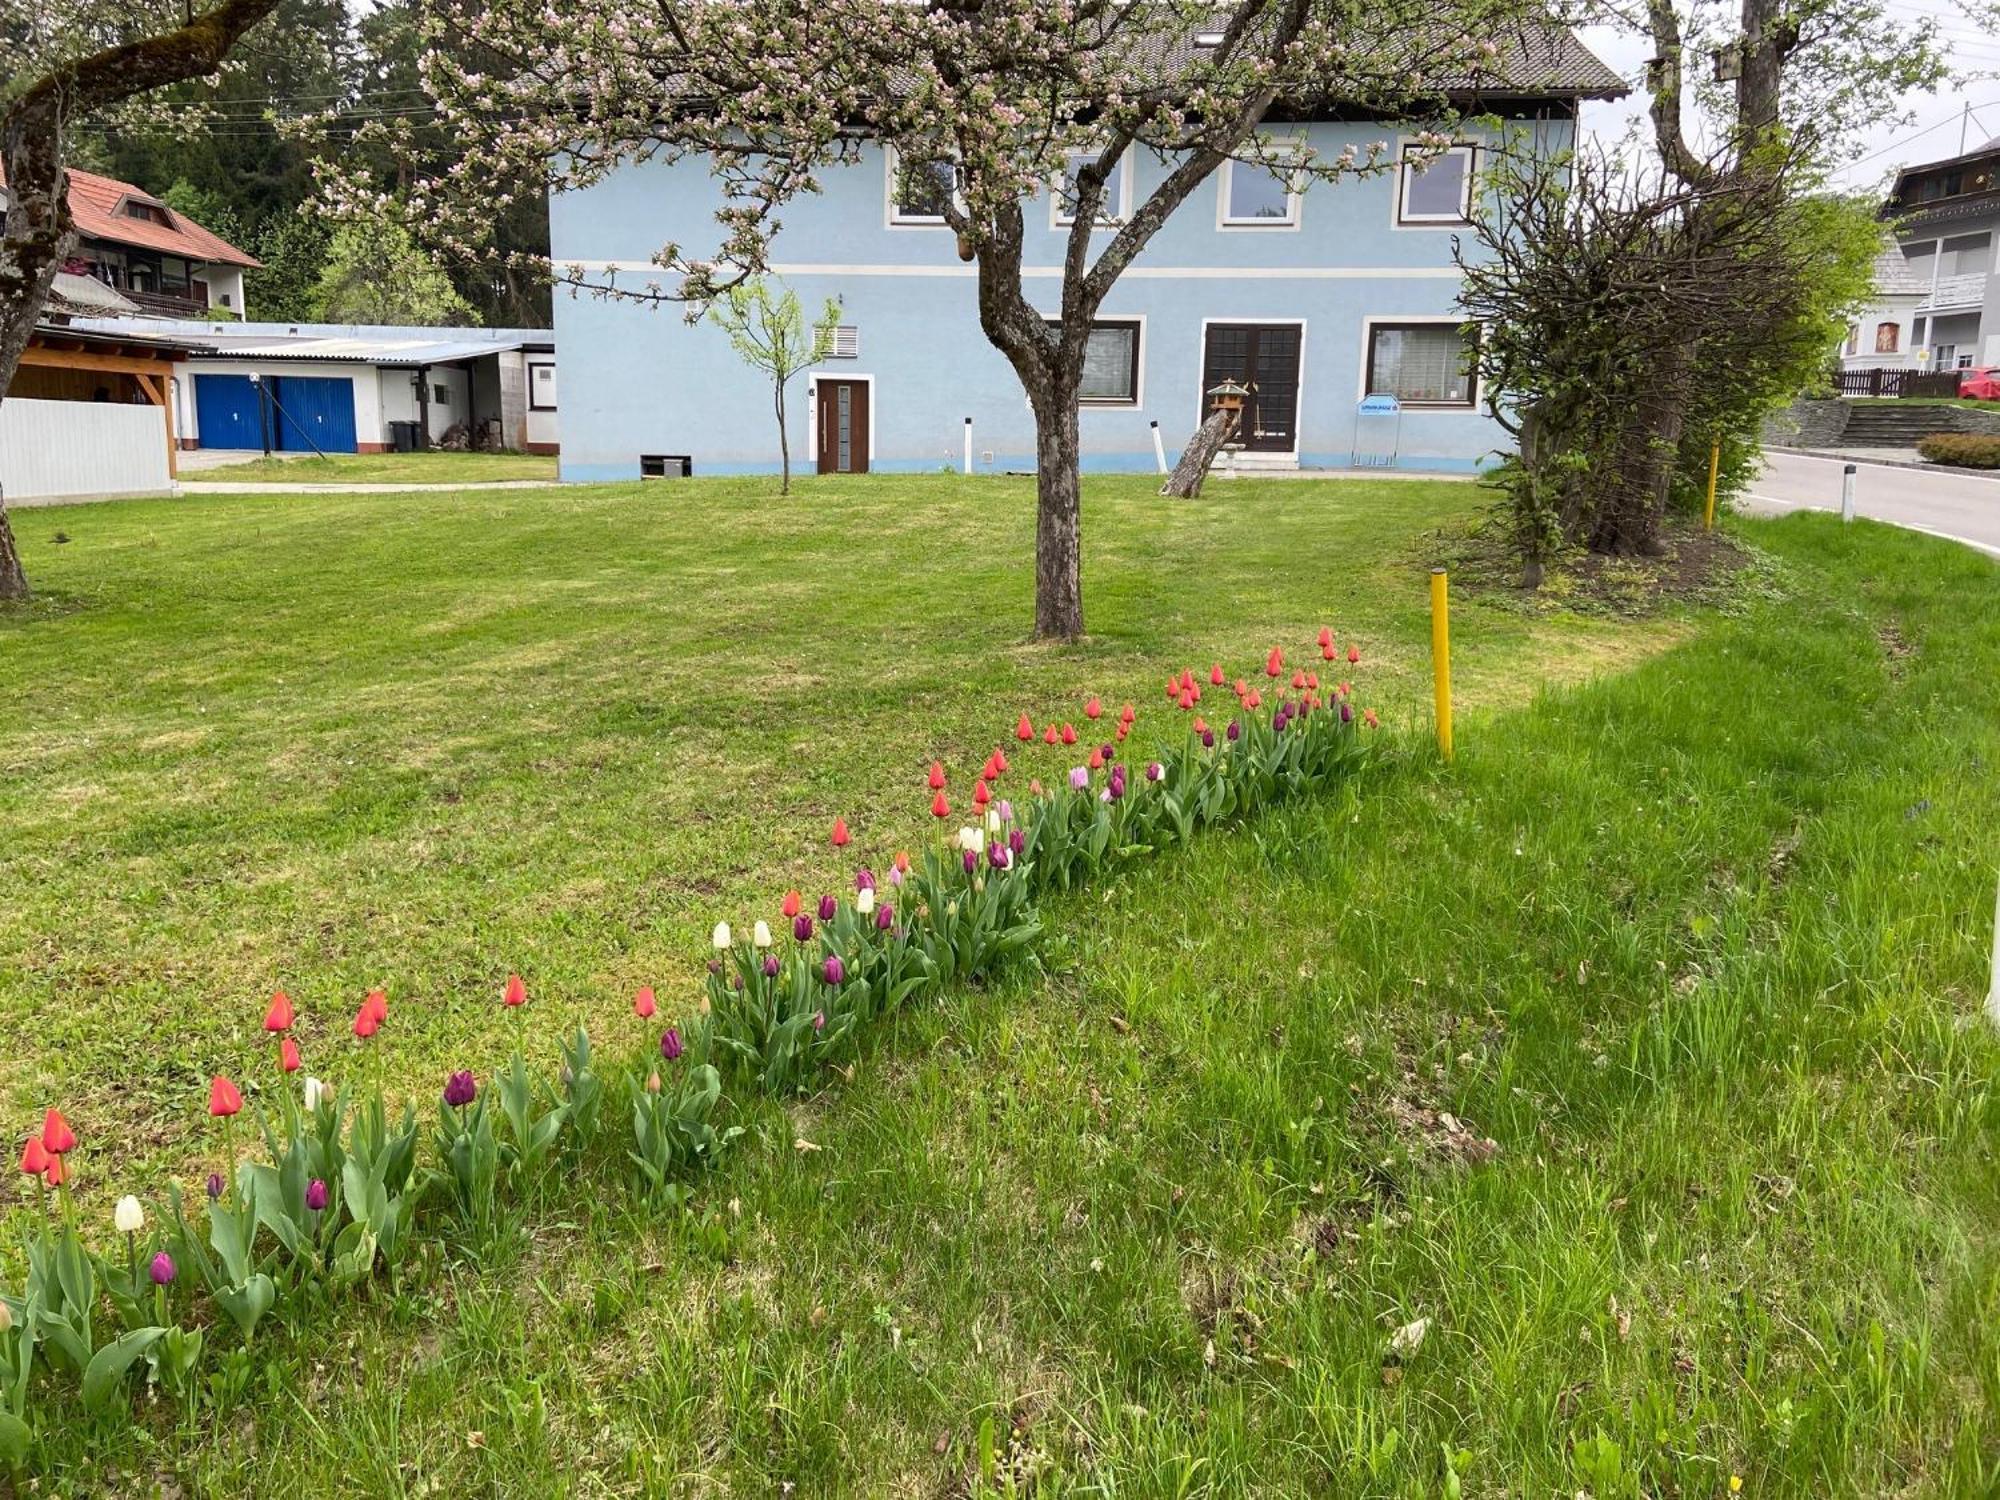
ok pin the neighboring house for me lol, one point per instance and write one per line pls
(1884, 334)
(159, 260)
(345, 388)
(1318, 298)
(1945, 216)
(90, 415)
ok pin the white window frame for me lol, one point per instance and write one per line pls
(892, 215)
(1105, 403)
(1294, 199)
(541, 364)
(1402, 217)
(1059, 220)
(1469, 407)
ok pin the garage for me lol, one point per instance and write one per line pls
(308, 413)
(225, 408)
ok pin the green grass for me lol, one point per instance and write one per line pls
(382, 468)
(1966, 402)
(1694, 930)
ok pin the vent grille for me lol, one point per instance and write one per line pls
(846, 342)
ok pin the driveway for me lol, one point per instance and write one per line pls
(1959, 507)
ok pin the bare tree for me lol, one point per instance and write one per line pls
(770, 335)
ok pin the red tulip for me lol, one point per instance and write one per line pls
(937, 775)
(223, 1098)
(1298, 681)
(1187, 679)
(288, 1055)
(1025, 730)
(980, 795)
(1093, 709)
(841, 837)
(1327, 653)
(1187, 700)
(279, 1017)
(1346, 688)
(1123, 730)
(1368, 718)
(790, 906)
(1215, 675)
(1325, 636)
(1096, 759)
(516, 993)
(1312, 681)
(378, 1006)
(999, 759)
(1274, 663)
(1049, 735)
(643, 1005)
(55, 1175)
(1241, 687)
(1200, 727)
(1353, 655)
(902, 860)
(1069, 734)
(939, 807)
(365, 1024)
(1127, 714)
(34, 1157)
(1173, 687)
(57, 1137)
(1254, 699)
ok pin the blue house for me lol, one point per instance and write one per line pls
(1317, 299)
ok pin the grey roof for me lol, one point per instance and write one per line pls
(1894, 276)
(86, 296)
(340, 343)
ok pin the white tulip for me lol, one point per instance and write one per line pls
(992, 821)
(761, 934)
(128, 1216)
(314, 1091)
(721, 937)
(864, 900)
(973, 839)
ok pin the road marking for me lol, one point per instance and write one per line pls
(1947, 536)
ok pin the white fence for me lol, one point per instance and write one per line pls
(80, 450)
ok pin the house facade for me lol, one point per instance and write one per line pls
(1937, 303)
(160, 260)
(1315, 298)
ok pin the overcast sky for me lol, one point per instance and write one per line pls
(1931, 131)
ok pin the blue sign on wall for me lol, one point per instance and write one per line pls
(1379, 405)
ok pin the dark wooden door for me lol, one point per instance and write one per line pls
(843, 426)
(1265, 357)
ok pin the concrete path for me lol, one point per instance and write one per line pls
(1951, 504)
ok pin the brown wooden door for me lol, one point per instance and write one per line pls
(1265, 357)
(843, 426)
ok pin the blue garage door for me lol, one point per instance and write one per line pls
(225, 412)
(313, 413)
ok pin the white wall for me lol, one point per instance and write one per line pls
(52, 451)
(225, 287)
(399, 397)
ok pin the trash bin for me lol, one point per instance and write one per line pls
(403, 437)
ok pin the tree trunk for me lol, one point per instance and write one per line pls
(13, 581)
(1199, 455)
(1058, 522)
(784, 443)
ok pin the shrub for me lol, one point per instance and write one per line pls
(1965, 450)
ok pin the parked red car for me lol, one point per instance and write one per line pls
(1980, 385)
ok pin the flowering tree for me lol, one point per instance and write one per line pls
(1010, 98)
(73, 61)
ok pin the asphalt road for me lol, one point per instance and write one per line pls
(1959, 507)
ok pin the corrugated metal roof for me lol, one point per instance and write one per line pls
(338, 343)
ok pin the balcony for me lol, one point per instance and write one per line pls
(1955, 293)
(165, 305)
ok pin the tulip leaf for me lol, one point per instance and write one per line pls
(105, 1374)
(247, 1304)
(14, 1439)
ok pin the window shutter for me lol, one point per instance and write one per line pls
(846, 342)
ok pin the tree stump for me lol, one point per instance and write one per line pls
(1199, 455)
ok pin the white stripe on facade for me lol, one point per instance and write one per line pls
(1135, 273)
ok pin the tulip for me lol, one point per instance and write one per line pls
(841, 837)
(288, 1055)
(223, 1098)
(1298, 681)
(1173, 687)
(653, 1082)
(971, 838)
(461, 1088)
(827, 907)
(57, 1174)
(1094, 709)
(980, 795)
(1274, 663)
(34, 1157)
(1346, 713)
(1025, 730)
(864, 901)
(937, 775)
(999, 759)
(902, 861)
(670, 1044)
(378, 1005)
(128, 1217)
(1208, 739)
(792, 904)
(316, 1195)
(970, 861)
(720, 937)
(802, 928)
(279, 1017)
(885, 916)
(994, 822)
(1326, 635)
(214, 1185)
(1367, 717)
(939, 807)
(1327, 653)
(1353, 655)
(1200, 725)
(365, 1024)
(998, 857)
(1235, 731)
(163, 1271)
(1016, 841)
(57, 1138)
(1154, 771)
(1096, 761)
(643, 1003)
(833, 969)
(1312, 681)
(760, 933)
(864, 880)
(896, 876)
(1123, 729)
(516, 993)
(314, 1090)
(1050, 735)
(1126, 714)
(1004, 810)
(1254, 700)
(1079, 777)
(771, 966)
(1187, 700)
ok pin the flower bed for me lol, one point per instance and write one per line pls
(335, 1191)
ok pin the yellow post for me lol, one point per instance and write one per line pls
(1714, 463)
(1441, 656)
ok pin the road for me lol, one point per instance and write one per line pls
(1959, 507)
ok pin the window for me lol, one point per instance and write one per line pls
(1435, 186)
(1257, 196)
(1421, 364)
(1967, 255)
(919, 190)
(1116, 201)
(1887, 336)
(846, 342)
(1110, 364)
(541, 387)
(441, 394)
(1853, 339)
(152, 213)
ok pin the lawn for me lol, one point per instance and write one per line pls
(381, 468)
(1694, 931)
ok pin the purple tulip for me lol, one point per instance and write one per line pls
(1005, 809)
(736, 983)
(971, 861)
(163, 1271)
(819, 1020)
(885, 916)
(1346, 713)
(670, 1044)
(1079, 777)
(1208, 739)
(215, 1186)
(1235, 731)
(802, 927)
(827, 907)
(770, 966)
(1116, 789)
(896, 875)
(715, 966)
(833, 969)
(460, 1090)
(864, 879)
(316, 1195)
(998, 857)
(1109, 752)
(1155, 771)
(1017, 841)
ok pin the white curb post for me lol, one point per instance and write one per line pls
(1159, 449)
(968, 447)
(1847, 492)
(1993, 995)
